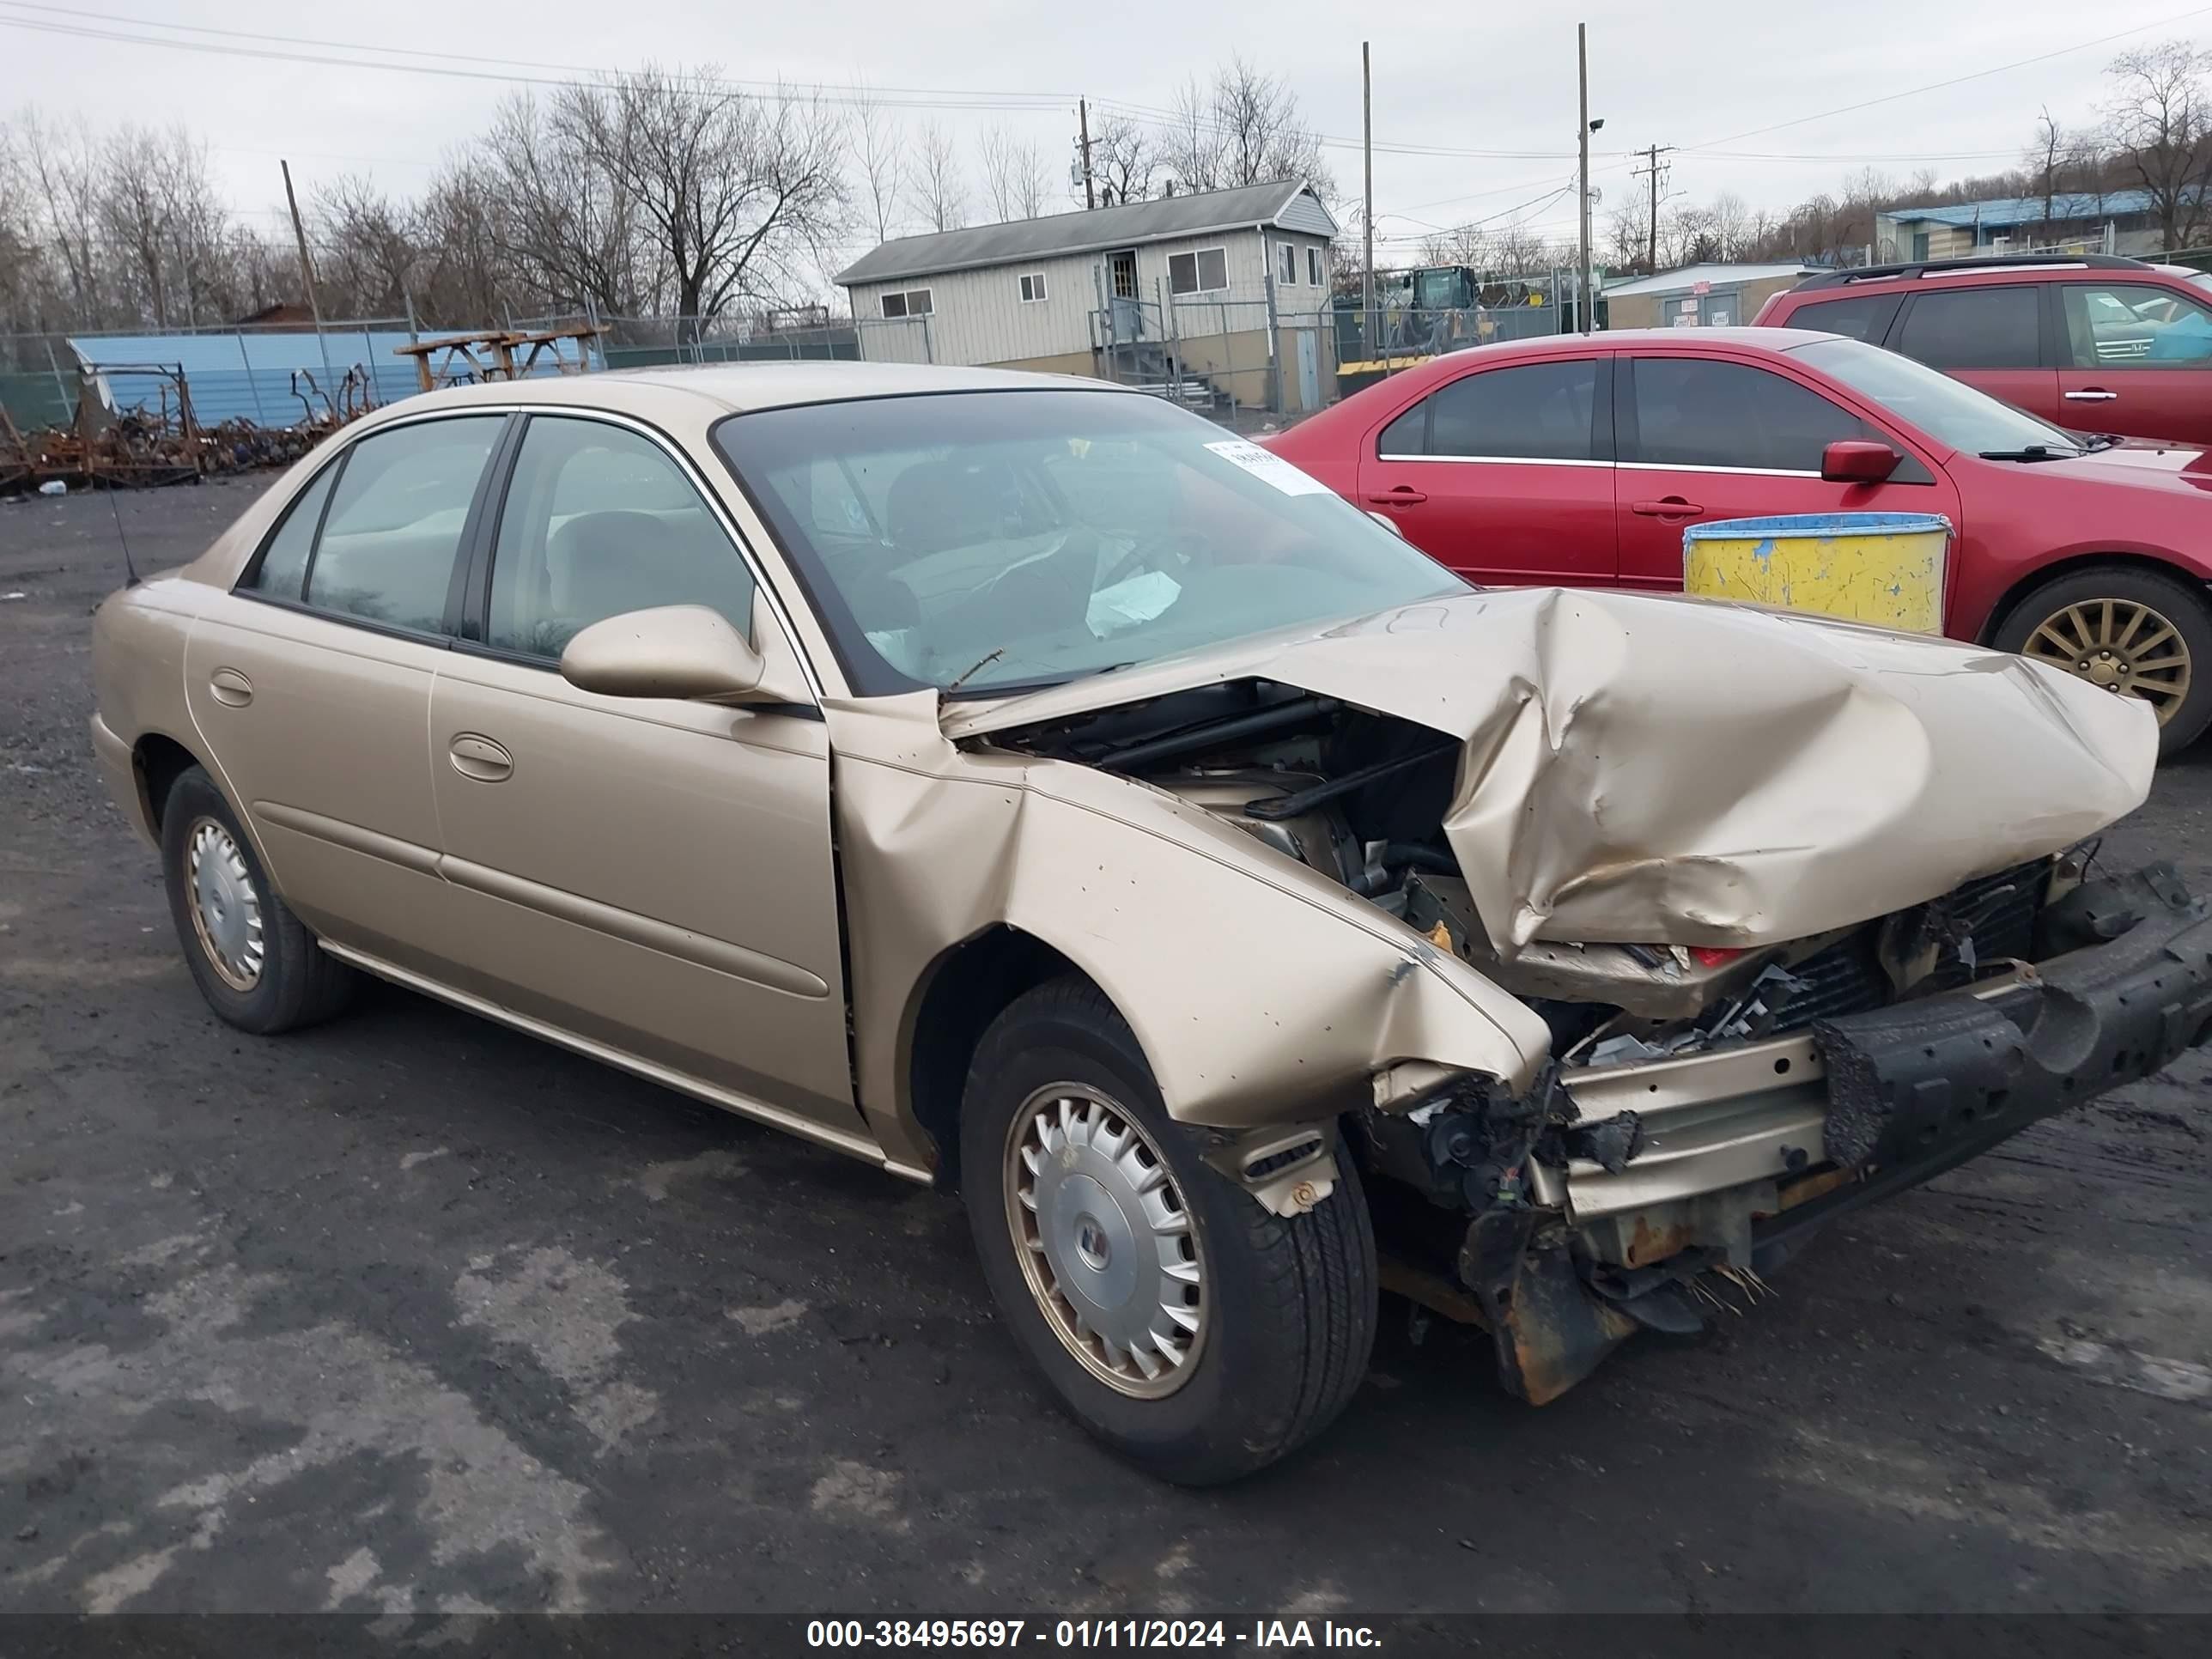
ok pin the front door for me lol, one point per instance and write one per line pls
(311, 681)
(2134, 360)
(651, 874)
(1503, 474)
(1704, 438)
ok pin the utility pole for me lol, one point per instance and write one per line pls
(1586, 311)
(307, 266)
(1651, 155)
(1367, 217)
(1083, 115)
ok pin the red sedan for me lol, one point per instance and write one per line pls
(1579, 460)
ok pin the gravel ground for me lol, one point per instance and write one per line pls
(410, 1313)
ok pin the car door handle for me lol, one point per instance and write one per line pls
(480, 758)
(2092, 395)
(1399, 496)
(228, 686)
(1673, 507)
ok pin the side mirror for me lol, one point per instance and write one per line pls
(685, 651)
(1387, 523)
(1856, 460)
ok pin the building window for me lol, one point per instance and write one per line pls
(1288, 264)
(1313, 266)
(1032, 286)
(913, 302)
(1206, 272)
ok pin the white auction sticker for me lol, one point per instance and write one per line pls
(1272, 468)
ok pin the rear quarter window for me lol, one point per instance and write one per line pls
(1858, 317)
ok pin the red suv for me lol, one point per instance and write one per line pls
(2095, 345)
(1579, 460)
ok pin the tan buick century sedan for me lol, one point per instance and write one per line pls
(1025, 785)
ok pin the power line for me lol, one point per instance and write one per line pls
(1955, 81)
(565, 74)
(504, 69)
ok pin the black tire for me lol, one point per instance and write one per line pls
(298, 983)
(1290, 1304)
(2181, 603)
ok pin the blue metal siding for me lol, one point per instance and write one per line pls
(250, 375)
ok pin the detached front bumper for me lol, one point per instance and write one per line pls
(1726, 1159)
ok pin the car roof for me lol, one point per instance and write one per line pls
(1641, 339)
(705, 391)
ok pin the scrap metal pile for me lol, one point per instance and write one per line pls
(160, 441)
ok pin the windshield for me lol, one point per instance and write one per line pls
(1948, 410)
(985, 540)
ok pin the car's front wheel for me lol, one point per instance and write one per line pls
(2133, 632)
(254, 961)
(1182, 1324)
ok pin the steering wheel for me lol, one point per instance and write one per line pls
(1174, 551)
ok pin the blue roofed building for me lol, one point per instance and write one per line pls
(2071, 222)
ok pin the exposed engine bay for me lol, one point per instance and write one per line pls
(1361, 797)
(1704, 1105)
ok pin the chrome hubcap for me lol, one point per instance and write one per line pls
(1105, 1241)
(2129, 649)
(226, 913)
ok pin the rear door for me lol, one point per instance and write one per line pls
(1505, 474)
(2135, 359)
(1704, 438)
(1989, 336)
(310, 680)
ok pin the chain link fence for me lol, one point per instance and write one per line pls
(1251, 364)
(1244, 360)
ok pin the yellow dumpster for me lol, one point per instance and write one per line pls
(1884, 568)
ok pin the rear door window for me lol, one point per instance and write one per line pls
(1864, 317)
(283, 565)
(396, 514)
(1973, 328)
(1534, 412)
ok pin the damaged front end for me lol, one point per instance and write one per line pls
(1645, 1183)
(1757, 1016)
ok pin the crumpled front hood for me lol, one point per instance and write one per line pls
(1646, 768)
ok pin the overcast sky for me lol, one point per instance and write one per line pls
(1731, 86)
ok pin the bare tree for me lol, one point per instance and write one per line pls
(158, 213)
(1125, 162)
(1627, 244)
(1466, 245)
(879, 141)
(368, 251)
(61, 165)
(730, 193)
(1244, 127)
(2046, 156)
(564, 230)
(934, 176)
(1731, 221)
(2161, 125)
(464, 277)
(1014, 174)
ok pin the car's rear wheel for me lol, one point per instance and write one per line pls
(2133, 632)
(1180, 1323)
(254, 961)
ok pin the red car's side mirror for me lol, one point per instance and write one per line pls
(1855, 460)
